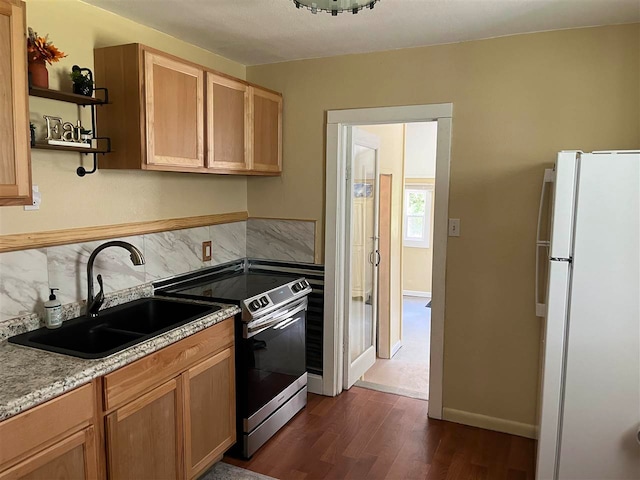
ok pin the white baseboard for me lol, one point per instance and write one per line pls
(396, 347)
(416, 293)
(314, 383)
(490, 423)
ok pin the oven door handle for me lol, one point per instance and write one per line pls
(250, 330)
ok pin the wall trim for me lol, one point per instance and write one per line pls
(24, 241)
(490, 423)
(416, 293)
(337, 123)
(314, 383)
(396, 346)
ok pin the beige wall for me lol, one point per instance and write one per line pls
(417, 263)
(516, 102)
(391, 162)
(110, 197)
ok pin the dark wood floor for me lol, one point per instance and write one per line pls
(369, 435)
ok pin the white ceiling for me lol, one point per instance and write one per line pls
(255, 32)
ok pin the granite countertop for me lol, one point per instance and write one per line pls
(29, 376)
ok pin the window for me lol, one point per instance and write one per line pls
(417, 215)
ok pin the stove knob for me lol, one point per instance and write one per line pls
(295, 287)
(264, 302)
(306, 284)
(255, 305)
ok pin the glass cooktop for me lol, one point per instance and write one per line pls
(235, 287)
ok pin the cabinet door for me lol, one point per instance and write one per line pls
(143, 437)
(227, 124)
(75, 457)
(15, 154)
(210, 411)
(174, 113)
(266, 114)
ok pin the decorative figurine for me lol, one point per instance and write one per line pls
(82, 81)
(66, 134)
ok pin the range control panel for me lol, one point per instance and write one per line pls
(273, 299)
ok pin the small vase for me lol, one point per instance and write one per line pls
(38, 74)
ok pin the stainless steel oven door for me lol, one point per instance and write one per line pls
(272, 359)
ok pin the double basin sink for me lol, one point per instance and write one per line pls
(116, 328)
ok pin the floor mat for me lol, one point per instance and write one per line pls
(224, 471)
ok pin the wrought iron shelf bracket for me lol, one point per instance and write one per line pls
(104, 143)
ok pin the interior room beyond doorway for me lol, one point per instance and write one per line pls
(407, 167)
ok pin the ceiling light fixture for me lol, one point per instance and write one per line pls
(334, 7)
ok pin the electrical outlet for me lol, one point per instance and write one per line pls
(37, 199)
(206, 251)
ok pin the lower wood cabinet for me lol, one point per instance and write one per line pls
(209, 411)
(74, 457)
(168, 415)
(179, 428)
(54, 440)
(143, 437)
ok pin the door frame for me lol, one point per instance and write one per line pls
(335, 225)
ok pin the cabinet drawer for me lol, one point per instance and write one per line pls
(131, 381)
(21, 434)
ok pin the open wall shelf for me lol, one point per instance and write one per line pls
(46, 146)
(83, 101)
(65, 97)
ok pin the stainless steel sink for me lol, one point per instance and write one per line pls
(116, 328)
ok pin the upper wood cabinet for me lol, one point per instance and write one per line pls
(15, 153)
(169, 114)
(266, 123)
(228, 119)
(174, 112)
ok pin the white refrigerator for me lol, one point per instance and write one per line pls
(589, 420)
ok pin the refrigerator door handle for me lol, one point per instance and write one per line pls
(541, 306)
(549, 177)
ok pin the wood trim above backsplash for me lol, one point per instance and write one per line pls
(24, 241)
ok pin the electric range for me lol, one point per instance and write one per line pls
(270, 348)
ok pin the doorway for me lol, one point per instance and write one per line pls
(340, 367)
(405, 231)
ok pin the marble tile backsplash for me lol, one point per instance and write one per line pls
(175, 252)
(26, 275)
(287, 240)
(23, 282)
(67, 266)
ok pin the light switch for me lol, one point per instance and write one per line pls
(454, 227)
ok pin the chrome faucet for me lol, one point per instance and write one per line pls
(94, 303)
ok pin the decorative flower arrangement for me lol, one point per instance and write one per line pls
(42, 49)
